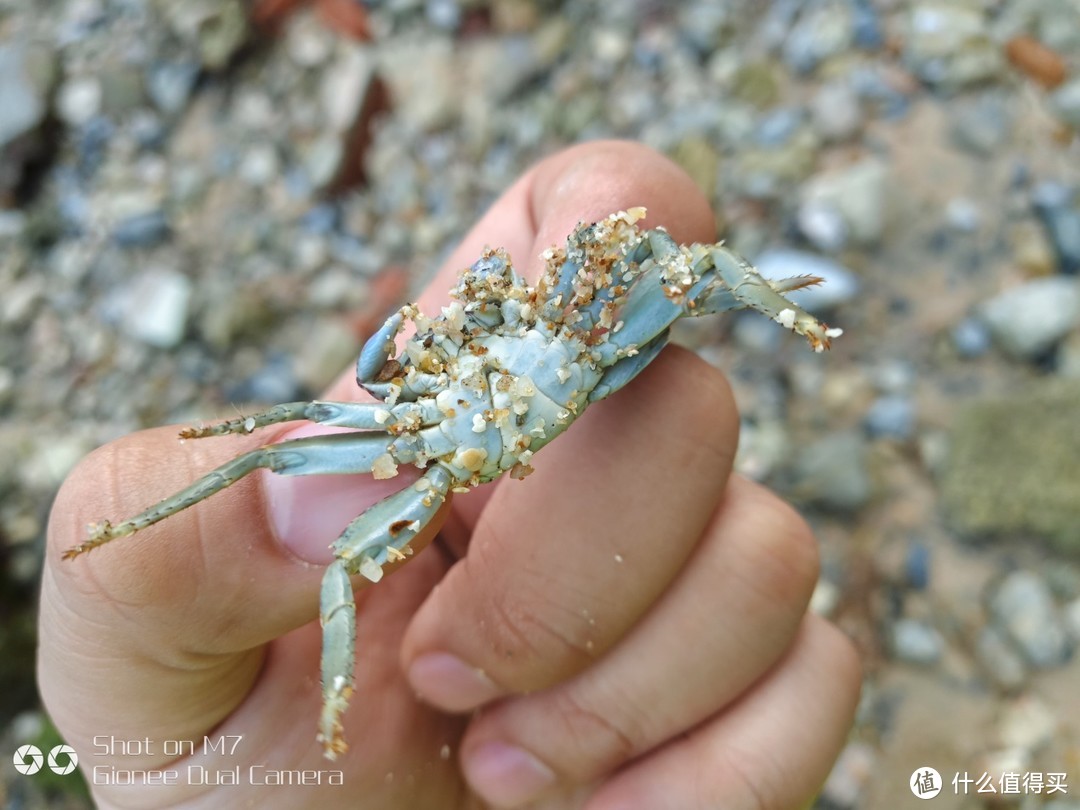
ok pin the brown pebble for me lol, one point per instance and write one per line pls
(1036, 60)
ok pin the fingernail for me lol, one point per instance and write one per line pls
(307, 513)
(446, 681)
(507, 776)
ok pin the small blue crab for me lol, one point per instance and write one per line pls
(477, 391)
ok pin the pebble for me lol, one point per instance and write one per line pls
(1024, 608)
(962, 214)
(833, 472)
(917, 566)
(891, 417)
(840, 284)
(999, 660)
(821, 31)
(156, 308)
(916, 642)
(1065, 102)
(25, 80)
(217, 28)
(857, 194)
(971, 338)
(1027, 723)
(1028, 320)
(170, 84)
(1071, 614)
(259, 165)
(141, 230)
(1060, 215)
(947, 44)
(835, 111)
(981, 125)
(1031, 248)
(27, 76)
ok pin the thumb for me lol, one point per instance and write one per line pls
(162, 633)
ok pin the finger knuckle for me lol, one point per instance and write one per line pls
(533, 640)
(784, 558)
(594, 740)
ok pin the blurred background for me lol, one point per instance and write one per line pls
(206, 205)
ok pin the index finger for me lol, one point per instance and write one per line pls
(615, 511)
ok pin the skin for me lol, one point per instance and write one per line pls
(625, 629)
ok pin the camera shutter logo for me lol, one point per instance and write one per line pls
(63, 767)
(28, 759)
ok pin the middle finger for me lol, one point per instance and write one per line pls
(561, 565)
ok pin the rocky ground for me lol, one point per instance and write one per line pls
(206, 204)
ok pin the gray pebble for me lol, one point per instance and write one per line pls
(169, 84)
(1001, 662)
(835, 111)
(1061, 219)
(1028, 320)
(1065, 102)
(971, 338)
(156, 308)
(1024, 608)
(822, 30)
(141, 230)
(23, 95)
(857, 193)
(980, 125)
(833, 472)
(916, 642)
(891, 417)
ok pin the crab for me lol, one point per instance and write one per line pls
(476, 392)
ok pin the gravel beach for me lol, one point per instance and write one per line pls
(205, 207)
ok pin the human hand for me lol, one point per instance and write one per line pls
(630, 621)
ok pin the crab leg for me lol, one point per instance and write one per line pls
(318, 455)
(743, 283)
(366, 415)
(337, 614)
(380, 534)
